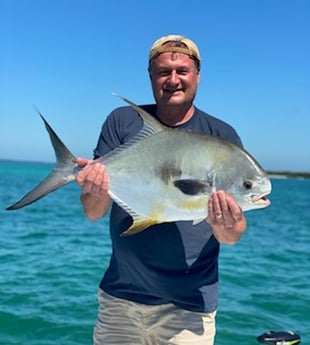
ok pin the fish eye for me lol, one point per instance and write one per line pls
(247, 184)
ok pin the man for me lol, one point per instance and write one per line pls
(161, 286)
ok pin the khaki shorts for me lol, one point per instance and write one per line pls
(122, 322)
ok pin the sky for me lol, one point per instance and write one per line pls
(67, 57)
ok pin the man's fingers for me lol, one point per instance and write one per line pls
(82, 162)
(223, 210)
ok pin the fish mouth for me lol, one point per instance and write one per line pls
(261, 200)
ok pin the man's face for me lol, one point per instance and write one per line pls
(174, 77)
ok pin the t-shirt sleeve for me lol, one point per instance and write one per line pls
(227, 132)
(235, 138)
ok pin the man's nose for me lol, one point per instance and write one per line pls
(173, 77)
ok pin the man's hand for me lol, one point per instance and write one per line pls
(94, 181)
(225, 217)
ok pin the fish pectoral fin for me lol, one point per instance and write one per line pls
(197, 221)
(193, 187)
(138, 225)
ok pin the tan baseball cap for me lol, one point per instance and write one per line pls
(186, 46)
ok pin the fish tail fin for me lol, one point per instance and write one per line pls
(63, 173)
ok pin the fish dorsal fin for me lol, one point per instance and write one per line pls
(151, 124)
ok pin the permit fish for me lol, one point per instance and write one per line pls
(165, 174)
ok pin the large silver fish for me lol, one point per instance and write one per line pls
(165, 174)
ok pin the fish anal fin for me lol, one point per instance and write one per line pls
(138, 225)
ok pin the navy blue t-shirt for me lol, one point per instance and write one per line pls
(167, 263)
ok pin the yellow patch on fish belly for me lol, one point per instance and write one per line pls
(157, 212)
(193, 203)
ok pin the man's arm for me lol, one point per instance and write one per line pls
(94, 181)
(226, 218)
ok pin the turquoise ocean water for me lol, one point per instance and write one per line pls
(52, 259)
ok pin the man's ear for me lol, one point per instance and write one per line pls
(149, 70)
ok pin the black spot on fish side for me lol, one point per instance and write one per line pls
(167, 171)
(192, 187)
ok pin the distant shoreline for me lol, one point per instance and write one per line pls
(271, 173)
(24, 161)
(288, 174)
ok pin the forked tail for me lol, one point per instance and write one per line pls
(63, 173)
